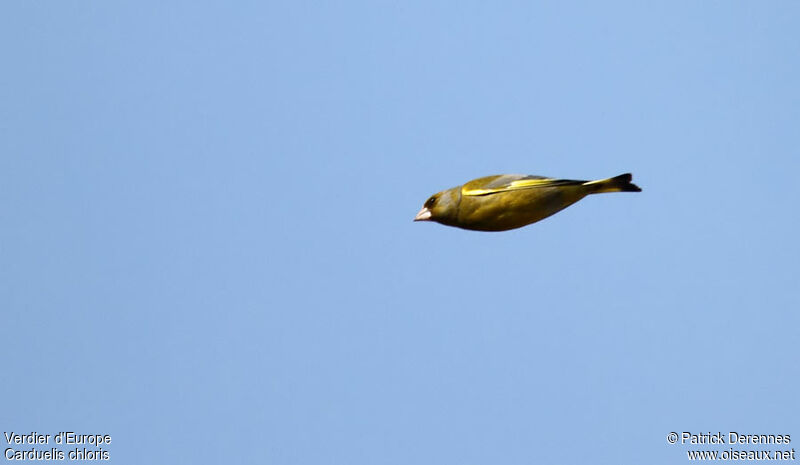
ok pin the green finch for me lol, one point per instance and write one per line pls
(509, 201)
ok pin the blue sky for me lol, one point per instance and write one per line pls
(207, 250)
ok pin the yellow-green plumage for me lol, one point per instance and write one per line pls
(509, 201)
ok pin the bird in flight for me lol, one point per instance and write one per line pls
(509, 201)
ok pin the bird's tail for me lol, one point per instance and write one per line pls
(621, 183)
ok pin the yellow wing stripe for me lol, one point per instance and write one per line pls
(520, 184)
(479, 191)
(531, 183)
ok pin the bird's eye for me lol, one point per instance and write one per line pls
(430, 202)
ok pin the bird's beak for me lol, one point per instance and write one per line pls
(423, 215)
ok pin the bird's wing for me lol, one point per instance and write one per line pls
(511, 182)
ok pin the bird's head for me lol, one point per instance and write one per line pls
(441, 207)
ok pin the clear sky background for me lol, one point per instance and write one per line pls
(206, 245)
